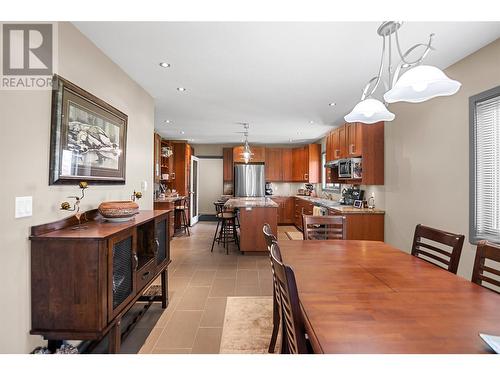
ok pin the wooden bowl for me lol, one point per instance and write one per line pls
(118, 210)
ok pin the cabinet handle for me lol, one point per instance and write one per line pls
(352, 149)
(145, 275)
(135, 262)
(337, 153)
(306, 176)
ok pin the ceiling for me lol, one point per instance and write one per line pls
(278, 76)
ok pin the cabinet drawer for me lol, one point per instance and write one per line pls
(145, 274)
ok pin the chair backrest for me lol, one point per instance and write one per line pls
(219, 207)
(486, 251)
(183, 202)
(269, 235)
(293, 324)
(447, 257)
(324, 227)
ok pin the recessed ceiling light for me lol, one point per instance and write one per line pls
(167, 121)
(165, 65)
(311, 122)
(182, 131)
(290, 140)
(181, 89)
(332, 104)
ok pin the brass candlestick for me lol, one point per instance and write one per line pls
(76, 206)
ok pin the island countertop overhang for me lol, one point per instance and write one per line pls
(254, 202)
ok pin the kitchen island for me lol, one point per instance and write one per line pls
(253, 213)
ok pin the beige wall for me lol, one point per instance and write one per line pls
(24, 156)
(427, 157)
(210, 185)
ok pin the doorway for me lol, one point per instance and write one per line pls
(194, 193)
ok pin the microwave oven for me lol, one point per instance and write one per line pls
(350, 168)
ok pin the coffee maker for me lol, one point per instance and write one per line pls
(269, 189)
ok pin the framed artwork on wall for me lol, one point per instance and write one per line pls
(88, 137)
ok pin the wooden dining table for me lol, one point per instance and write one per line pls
(369, 297)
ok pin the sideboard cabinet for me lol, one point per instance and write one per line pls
(84, 280)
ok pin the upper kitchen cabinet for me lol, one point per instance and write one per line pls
(259, 154)
(182, 167)
(274, 164)
(358, 140)
(227, 164)
(157, 157)
(306, 163)
(286, 164)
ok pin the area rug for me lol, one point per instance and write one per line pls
(248, 324)
(295, 235)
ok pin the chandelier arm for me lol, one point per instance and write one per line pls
(424, 54)
(376, 78)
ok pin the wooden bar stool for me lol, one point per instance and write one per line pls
(181, 209)
(226, 231)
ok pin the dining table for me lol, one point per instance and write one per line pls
(370, 297)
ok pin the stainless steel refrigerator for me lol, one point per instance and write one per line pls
(249, 180)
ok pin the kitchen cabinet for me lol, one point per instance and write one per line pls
(285, 209)
(302, 206)
(157, 157)
(363, 226)
(358, 140)
(274, 164)
(286, 165)
(259, 154)
(227, 164)
(306, 163)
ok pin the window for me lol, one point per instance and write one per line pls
(334, 188)
(484, 215)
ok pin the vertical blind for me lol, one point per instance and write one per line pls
(486, 169)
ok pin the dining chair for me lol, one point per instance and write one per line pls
(294, 333)
(270, 239)
(324, 227)
(226, 231)
(486, 251)
(425, 246)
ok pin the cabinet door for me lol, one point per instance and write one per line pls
(329, 147)
(335, 144)
(162, 240)
(286, 165)
(289, 210)
(313, 172)
(227, 164)
(122, 267)
(157, 158)
(259, 154)
(273, 164)
(354, 139)
(343, 142)
(297, 164)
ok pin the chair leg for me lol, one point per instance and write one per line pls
(276, 324)
(215, 236)
(187, 224)
(235, 234)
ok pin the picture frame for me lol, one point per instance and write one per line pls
(358, 204)
(88, 137)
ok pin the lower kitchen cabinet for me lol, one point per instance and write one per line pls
(363, 226)
(285, 209)
(301, 207)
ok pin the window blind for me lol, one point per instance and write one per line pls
(486, 168)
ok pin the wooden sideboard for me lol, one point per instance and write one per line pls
(84, 280)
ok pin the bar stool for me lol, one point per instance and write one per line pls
(181, 209)
(226, 231)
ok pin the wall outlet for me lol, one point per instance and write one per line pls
(24, 207)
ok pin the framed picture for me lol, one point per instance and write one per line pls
(88, 137)
(358, 204)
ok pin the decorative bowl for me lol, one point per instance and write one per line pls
(118, 210)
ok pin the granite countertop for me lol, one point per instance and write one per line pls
(250, 202)
(168, 199)
(336, 206)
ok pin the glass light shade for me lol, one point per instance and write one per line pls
(369, 111)
(421, 83)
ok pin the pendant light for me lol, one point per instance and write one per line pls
(247, 152)
(417, 84)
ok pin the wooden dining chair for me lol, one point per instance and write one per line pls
(324, 227)
(270, 239)
(425, 246)
(486, 251)
(294, 333)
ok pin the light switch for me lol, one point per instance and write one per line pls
(24, 206)
(144, 186)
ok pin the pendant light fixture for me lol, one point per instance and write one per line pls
(247, 152)
(417, 84)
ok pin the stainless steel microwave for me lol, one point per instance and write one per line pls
(350, 168)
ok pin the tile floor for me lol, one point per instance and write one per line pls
(199, 284)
